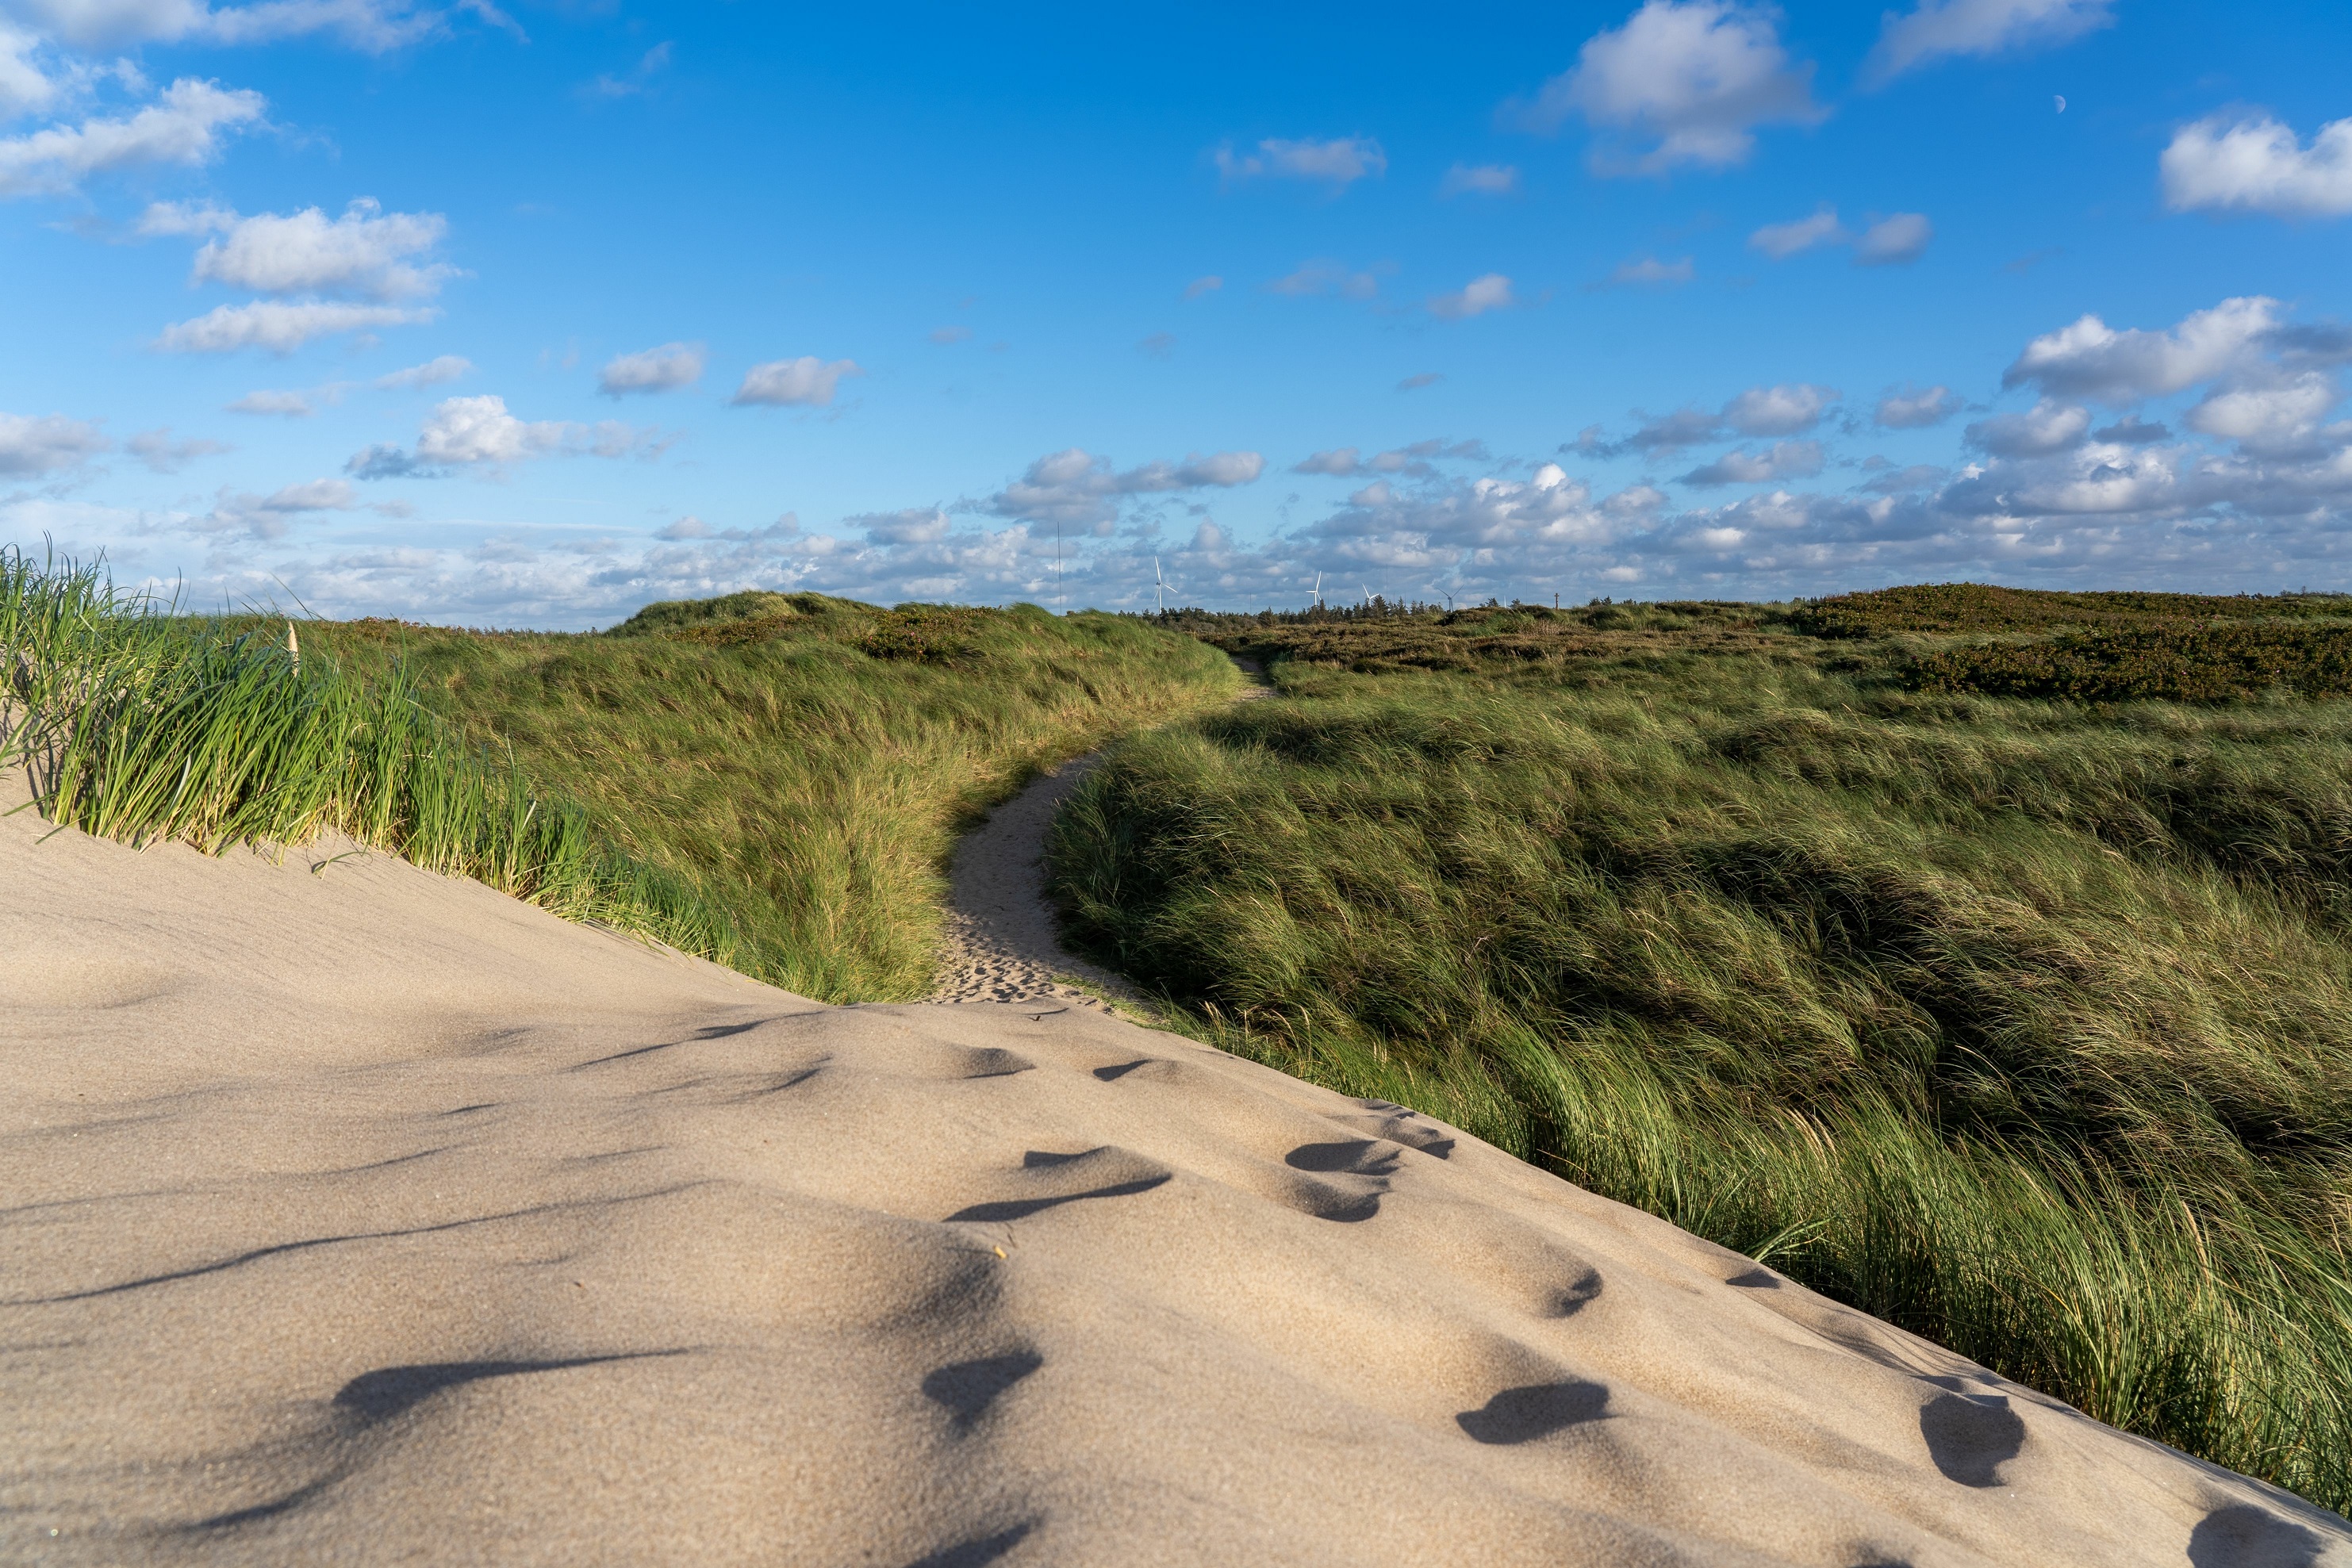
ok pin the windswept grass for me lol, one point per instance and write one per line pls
(2027, 1026)
(143, 727)
(805, 762)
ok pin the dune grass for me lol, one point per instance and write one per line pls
(143, 726)
(805, 762)
(2024, 1025)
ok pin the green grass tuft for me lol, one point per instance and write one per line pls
(140, 726)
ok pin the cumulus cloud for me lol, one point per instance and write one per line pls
(665, 368)
(24, 86)
(271, 516)
(47, 443)
(1895, 241)
(1339, 161)
(1078, 487)
(1324, 275)
(807, 381)
(2090, 358)
(1940, 28)
(371, 24)
(2274, 414)
(161, 454)
(365, 254)
(1788, 409)
(1782, 460)
(289, 404)
(1480, 180)
(1782, 241)
(433, 372)
(2255, 165)
(1649, 272)
(1912, 409)
(1480, 295)
(478, 433)
(1688, 82)
(914, 525)
(1345, 462)
(2045, 428)
(185, 125)
(279, 326)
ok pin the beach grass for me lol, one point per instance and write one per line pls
(2025, 1025)
(805, 762)
(141, 725)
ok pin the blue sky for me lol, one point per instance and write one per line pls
(528, 316)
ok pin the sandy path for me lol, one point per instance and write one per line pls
(999, 937)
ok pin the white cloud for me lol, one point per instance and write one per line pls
(1326, 277)
(47, 443)
(954, 334)
(478, 433)
(367, 253)
(1480, 295)
(1911, 409)
(665, 368)
(1782, 460)
(1339, 460)
(2045, 428)
(1342, 160)
(183, 126)
(433, 372)
(915, 525)
(1075, 487)
(272, 515)
(1480, 180)
(1895, 241)
(285, 404)
(163, 454)
(24, 88)
(1208, 282)
(1782, 241)
(1694, 78)
(1788, 409)
(1649, 272)
(279, 326)
(371, 24)
(1418, 380)
(1942, 27)
(2092, 359)
(808, 382)
(2256, 165)
(2275, 416)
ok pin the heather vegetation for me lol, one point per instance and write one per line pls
(2023, 1023)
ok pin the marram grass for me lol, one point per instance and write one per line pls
(2024, 1025)
(141, 726)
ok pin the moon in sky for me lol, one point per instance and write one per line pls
(2061, 103)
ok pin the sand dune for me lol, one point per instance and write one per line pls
(367, 1216)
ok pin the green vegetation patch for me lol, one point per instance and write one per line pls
(2206, 663)
(2026, 1025)
(1379, 635)
(1965, 607)
(140, 726)
(805, 762)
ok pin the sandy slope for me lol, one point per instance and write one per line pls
(365, 1216)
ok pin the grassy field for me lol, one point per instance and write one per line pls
(804, 762)
(2024, 1024)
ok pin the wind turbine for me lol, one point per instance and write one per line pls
(1158, 589)
(1318, 597)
